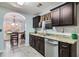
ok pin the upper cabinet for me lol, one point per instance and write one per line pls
(64, 15)
(47, 19)
(67, 14)
(36, 21)
(55, 17)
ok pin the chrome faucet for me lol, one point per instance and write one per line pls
(63, 30)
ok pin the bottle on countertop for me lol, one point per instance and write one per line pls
(74, 35)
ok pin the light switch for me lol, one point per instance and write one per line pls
(0, 30)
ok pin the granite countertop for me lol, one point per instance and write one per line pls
(62, 38)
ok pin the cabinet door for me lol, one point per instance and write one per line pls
(42, 46)
(36, 21)
(66, 15)
(55, 17)
(30, 40)
(37, 43)
(64, 49)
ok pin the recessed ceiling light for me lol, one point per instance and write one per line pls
(20, 3)
(13, 24)
(39, 5)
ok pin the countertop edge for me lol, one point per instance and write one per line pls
(57, 39)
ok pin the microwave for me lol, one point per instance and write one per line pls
(48, 24)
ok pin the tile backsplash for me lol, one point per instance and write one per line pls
(65, 30)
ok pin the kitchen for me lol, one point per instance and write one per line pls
(55, 44)
(51, 28)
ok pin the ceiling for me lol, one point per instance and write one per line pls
(31, 7)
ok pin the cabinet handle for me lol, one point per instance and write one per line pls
(64, 46)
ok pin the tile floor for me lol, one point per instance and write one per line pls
(25, 51)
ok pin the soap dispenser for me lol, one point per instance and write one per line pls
(74, 35)
(35, 30)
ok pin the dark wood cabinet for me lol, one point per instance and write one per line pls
(64, 49)
(64, 15)
(31, 41)
(67, 50)
(55, 17)
(37, 43)
(14, 39)
(42, 46)
(47, 19)
(36, 21)
(67, 14)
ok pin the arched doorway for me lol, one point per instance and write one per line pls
(14, 23)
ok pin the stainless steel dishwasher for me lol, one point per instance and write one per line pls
(51, 48)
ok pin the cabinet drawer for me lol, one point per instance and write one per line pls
(64, 49)
(65, 45)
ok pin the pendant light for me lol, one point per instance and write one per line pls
(13, 21)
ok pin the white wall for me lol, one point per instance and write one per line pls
(78, 30)
(3, 11)
(28, 27)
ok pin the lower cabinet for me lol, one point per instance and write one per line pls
(42, 46)
(67, 50)
(64, 49)
(37, 43)
(31, 41)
